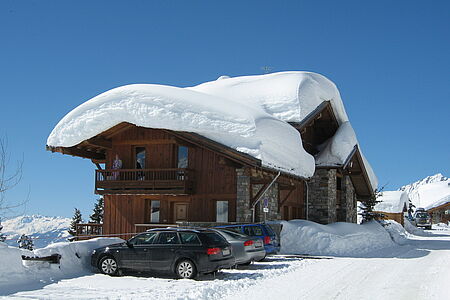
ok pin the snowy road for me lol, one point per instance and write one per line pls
(418, 270)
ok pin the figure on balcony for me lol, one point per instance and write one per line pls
(117, 164)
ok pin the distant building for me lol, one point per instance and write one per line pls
(394, 204)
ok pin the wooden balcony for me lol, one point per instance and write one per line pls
(144, 181)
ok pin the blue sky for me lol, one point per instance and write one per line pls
(390, 61)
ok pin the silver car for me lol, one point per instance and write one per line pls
(422, 219)
(245, 249)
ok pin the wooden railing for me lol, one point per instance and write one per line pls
(144, 181)
(88, 229)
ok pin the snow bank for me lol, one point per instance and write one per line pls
(288, 96)
(75, 257)
(246, 128)
(336, 151)
(392, 202)
(337, 239)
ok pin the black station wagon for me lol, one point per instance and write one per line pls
(185, 252)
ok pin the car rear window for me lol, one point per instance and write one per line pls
(215, 238)
(189, 238)
(269, 229)
(237, 229)
(253, 230)
(233, 234)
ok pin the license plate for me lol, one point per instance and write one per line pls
(225, 252)
(258, 244)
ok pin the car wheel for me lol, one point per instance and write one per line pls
(108, 265)
(186, 269)
(262, 258)
(246, 263)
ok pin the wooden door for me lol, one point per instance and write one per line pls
(180, 212)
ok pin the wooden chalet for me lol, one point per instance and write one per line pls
(441, 213)
(170, 176)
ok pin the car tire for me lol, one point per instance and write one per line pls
(246, 263)
(185, 269)
(262, 258)
(108, 266)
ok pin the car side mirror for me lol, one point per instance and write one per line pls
(130, 245)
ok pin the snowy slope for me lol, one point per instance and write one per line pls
(429, 192)
(44, 230)
(246, 128)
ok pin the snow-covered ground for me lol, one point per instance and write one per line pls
(413, 267)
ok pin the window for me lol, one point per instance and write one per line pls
(182, 157)
(168, 238)
(143, 239)
(253, 231)
(222, 211)
(140, 157)
(189, 238)
(154, 211)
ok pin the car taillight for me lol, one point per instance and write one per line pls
(266, 240)
(212, 251)
(248, 243)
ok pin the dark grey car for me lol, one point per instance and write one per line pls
(246, 249)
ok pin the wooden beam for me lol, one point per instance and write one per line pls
(261, 190)
(74, 151)
(120, 128)
(280, 204)
(100, 142)
(146, 142)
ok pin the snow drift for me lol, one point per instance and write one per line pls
(75, 260)
(336, 239)
(247, 129)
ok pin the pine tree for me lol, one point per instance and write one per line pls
(25, 242)
(367, 206)
(97, 212)
(76, 219)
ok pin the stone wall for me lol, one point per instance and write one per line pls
(350, 200)
(243, 211)
(322, 196)
(272, 198)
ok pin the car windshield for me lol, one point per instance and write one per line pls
(143, 239)
(422, 215)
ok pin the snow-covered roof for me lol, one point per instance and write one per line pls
(392, 202)
(337, 150)
(288, 96)
(245, 128)
(439, 202)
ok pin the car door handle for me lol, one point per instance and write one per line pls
(145, 250)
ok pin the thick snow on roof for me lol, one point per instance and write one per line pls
(336, 150)
(392, 202)
(288, 96)
(246, 128)
(439, 202)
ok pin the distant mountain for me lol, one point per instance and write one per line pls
(428, 191)
(44, 230)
